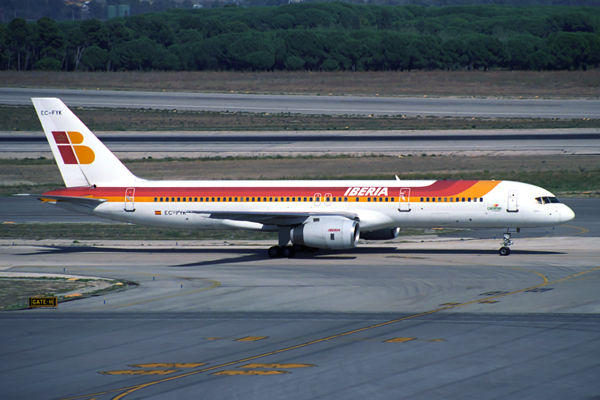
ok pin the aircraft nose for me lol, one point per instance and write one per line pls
(566, 214)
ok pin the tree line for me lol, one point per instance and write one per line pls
(312, 36)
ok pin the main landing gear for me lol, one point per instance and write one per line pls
(505, 250)
(289, 251)
(278, 251)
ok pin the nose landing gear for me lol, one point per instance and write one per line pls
(505, 250)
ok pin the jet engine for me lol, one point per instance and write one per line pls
(327, 233)
(382, 234)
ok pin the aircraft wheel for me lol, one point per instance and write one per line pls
(274, 252)
(287, 252)
(504, 251)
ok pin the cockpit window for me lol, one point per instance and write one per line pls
(546, 200)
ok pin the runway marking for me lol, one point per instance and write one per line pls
(251, 338)
(168, 365)
(539, 290)
(489, 302)
(140, 372)
(239, 372)
(581, 230)
(125, 391)
(277, 366)
(399, 340)
(492, 293)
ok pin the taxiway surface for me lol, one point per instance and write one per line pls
(202, 144)
(300, 104)
(414, 319)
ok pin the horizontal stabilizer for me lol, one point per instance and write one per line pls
(84, 201)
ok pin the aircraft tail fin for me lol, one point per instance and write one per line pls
(82, 158)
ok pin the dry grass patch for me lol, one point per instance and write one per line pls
(564, 84)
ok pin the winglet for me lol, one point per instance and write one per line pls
(82, 158)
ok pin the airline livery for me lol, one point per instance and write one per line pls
(307, 215)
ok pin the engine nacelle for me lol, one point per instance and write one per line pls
(327, 233)
(382, 234)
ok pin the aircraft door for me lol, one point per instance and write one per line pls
(404, 205)
(130, 200)
(513, 204)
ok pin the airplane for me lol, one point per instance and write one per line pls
(307, 215)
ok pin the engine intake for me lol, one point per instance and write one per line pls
(327, 233)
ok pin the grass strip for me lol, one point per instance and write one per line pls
(24, 118)
(15, 292)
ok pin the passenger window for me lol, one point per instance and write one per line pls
(357, 199)
(161, 199)
(184, 199)
(392, 199)
(345, 199)
(253, 199)
(463, 199)
(433, 199)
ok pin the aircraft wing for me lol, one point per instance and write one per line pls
(83, 201)
(272, 218)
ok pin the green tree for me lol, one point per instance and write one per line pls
(260, 60)
(294, 63)
(95, 58)
(18, 33)
(48, 64)
(51, 38)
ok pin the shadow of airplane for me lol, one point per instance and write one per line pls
(254, 254)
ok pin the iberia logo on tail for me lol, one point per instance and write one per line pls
(71, 150)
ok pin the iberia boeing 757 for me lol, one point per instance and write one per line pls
(307, 215)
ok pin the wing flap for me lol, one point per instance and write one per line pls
(272, 218)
